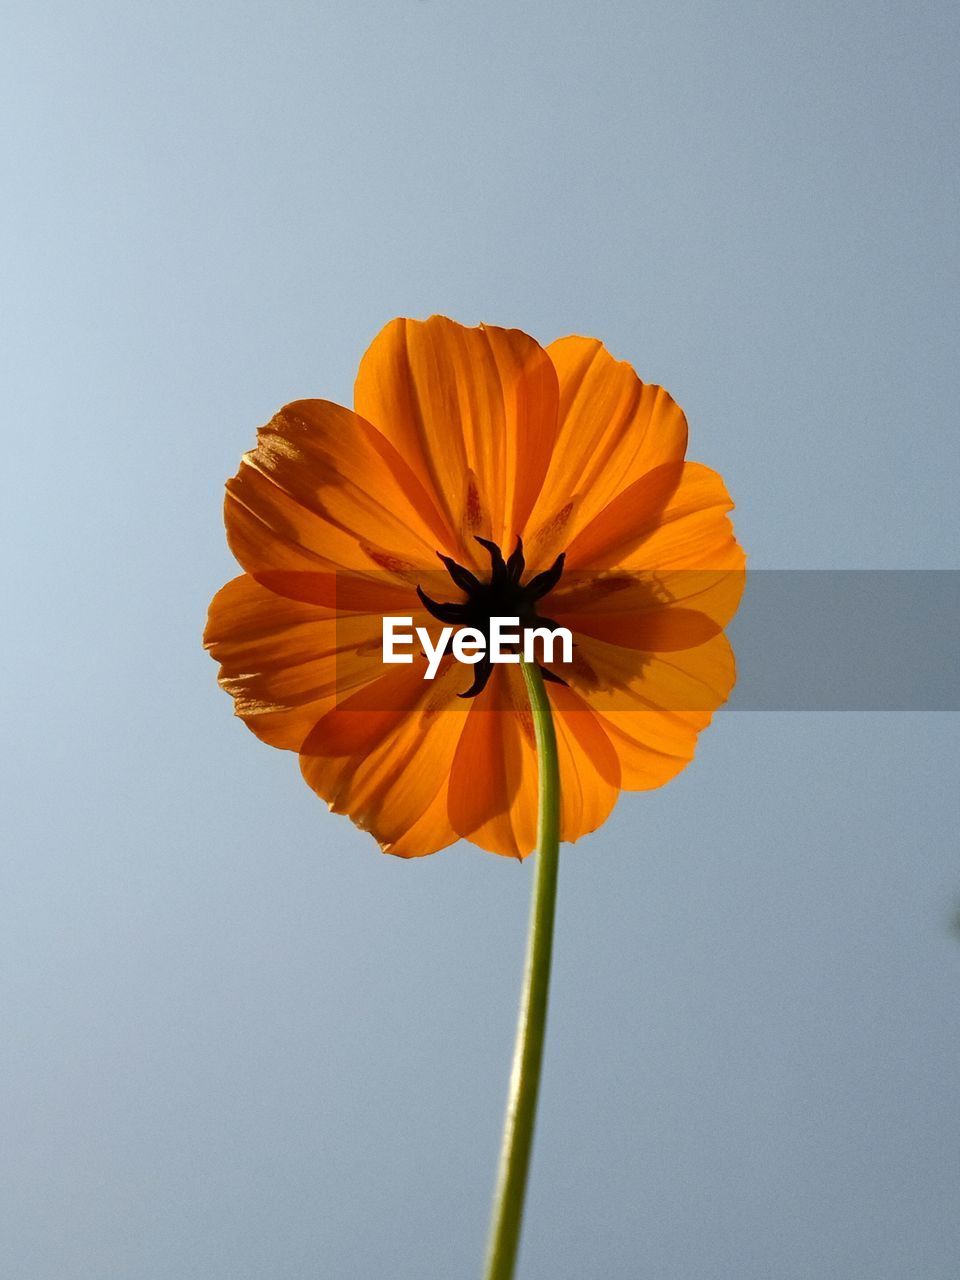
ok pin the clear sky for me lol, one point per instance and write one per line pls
(238, 1043)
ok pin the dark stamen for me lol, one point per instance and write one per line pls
(539, 585)
(504, 596)
(516, 564)
(481, 674)
(461, 576)
(454, 613)
(496, 559)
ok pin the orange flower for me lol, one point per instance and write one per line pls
(551, 482)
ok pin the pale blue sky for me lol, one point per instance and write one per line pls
(238, 1043)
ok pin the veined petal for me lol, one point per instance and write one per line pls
(653, 706)
(656, 631)
(324, 493)
(613, 429)
(655, 611)
(384, 756)
(493, 779)
(493, 782)
(342, 591)
(285, 662)
(589, 765)
(475, 413)
(430, 831)
(669, 519)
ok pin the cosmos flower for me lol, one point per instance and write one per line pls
(478, 474)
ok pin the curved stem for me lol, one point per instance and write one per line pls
(528, 1054)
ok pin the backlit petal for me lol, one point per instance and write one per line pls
(493, 782)
(474, 411)
(613, 429)
(653, 706)
(284, 661)
(670, 519)
(384, 755)
(655, 611)
(493, 779)
(324, 493)
(590, 771)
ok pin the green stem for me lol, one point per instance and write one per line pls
(528, 1053)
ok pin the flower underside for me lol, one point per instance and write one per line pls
(503, 595)
(335, 514)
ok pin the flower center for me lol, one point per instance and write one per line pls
(503, 595)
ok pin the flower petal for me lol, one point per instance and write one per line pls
(669, 519)
(325, 493)
(613, 429)
(652, 706)
(383, 756)
(284, 661)
(589, 765)
(493, 780)
(654, 612)
(429, 832)
(475, 413)
(343, 591)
